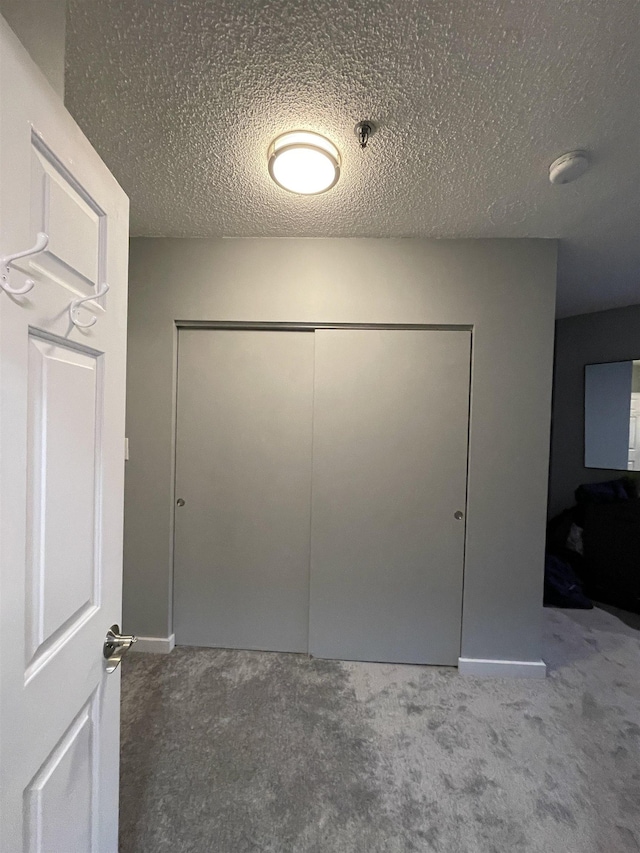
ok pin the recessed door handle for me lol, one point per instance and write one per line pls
(115, 645)
(180, 502)
(458, 515)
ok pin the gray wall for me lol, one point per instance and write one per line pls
(41, 27)
(585, 339)
(504, 289)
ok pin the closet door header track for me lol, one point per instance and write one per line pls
(235, 325)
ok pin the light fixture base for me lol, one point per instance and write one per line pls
(303, 162)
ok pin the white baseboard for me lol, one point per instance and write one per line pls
(502, 668)
(156, 645)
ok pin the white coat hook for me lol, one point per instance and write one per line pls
(42, 242)
(75, 305)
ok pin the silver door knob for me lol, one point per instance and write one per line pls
(458, 515)
(115, 645)
(180, 502)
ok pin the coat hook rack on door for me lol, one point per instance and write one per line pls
(75, 305)
(42, 242)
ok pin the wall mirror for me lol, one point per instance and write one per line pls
(612, 415)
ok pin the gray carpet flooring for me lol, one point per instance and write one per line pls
(251, 752)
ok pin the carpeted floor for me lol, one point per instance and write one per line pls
(251, 752)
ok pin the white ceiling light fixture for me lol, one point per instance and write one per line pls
(304, 162)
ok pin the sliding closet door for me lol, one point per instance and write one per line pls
(391, 412)
(243, 470)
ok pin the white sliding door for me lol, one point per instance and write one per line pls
(371, 505)
(391, 410)
(243, 470)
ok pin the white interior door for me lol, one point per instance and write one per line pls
(61, 486)
(243, 470)
(390, 435)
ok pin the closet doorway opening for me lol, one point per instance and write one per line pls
(321, 477)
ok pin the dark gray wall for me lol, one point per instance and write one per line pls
(585, 339)
(503, 289)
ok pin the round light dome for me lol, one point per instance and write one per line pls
(304, 162)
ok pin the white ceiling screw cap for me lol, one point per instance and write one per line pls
(568, 167)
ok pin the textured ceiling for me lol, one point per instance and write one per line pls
(473, 101)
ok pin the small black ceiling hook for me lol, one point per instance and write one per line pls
(364, 130)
